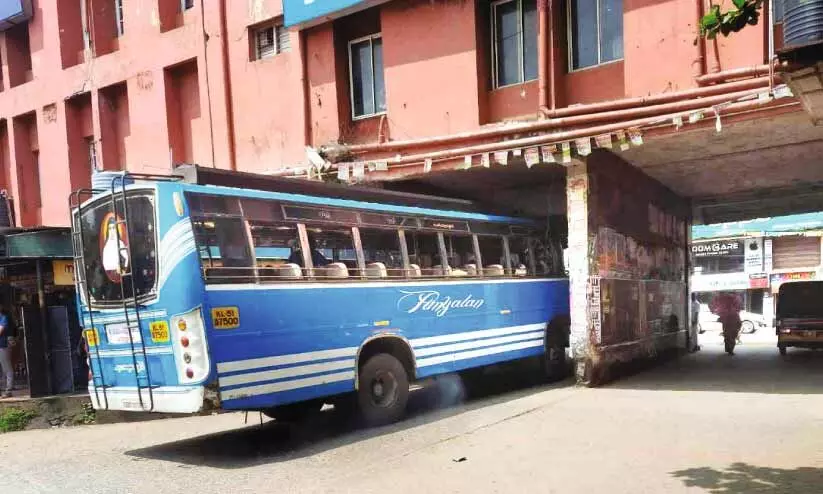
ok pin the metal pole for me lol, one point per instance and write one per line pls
(44, 321)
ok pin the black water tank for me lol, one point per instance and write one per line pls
(802, 22)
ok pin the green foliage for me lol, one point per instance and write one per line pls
(15, 419)
(745, 13)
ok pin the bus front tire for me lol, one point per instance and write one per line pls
(383, 390)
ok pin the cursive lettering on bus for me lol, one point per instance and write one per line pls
(433, 301)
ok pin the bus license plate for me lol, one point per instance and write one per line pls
(159, 332)
(225, 317)
(92, 339)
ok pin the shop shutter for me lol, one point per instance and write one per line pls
(796, 252)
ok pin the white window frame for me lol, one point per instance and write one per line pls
(120, 24)
(277, 29)
(256, 32)
(85, 24)
(569, 36)
(521, 51)
(370, 38)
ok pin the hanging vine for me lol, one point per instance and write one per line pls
(744, 13)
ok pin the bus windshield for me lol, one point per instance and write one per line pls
(111, 249)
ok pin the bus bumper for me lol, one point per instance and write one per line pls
(165, 399)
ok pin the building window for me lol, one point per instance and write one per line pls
(778, 10)
(368, 88)
(596, 32)
(270, 40)
(92, 153)
(118, 18)
(514, 42)
(186, 4)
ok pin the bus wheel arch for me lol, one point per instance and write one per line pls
(385, 367)
(392, 344)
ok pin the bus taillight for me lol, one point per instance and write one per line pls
(189, 341)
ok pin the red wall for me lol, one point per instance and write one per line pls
(180, 97)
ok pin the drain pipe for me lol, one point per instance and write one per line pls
(542, 63)
(700, 47)
(770, 27)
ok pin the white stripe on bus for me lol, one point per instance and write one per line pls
(457, 347)
(295, 358)
(285, 372)
(442, 359)
(516, 333)
(471, 335)
(292, 285)
(264, 389)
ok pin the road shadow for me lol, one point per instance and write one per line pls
(742, 478)
(753, 369)
(271, 442)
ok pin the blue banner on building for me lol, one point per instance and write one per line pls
(13, 12)
(760, 226)
(305, 12)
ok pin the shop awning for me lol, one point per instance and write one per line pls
(48, 243)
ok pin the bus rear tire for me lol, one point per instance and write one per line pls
(383, 390)
(782, 349)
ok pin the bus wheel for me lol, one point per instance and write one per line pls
(782, 349)
(293, 412)
(383, 390)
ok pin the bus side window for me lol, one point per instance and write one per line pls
(424, 252)
(276, 249)
(333, 253)
(522, 256)
(224, 243)
(491, 253)
(460, 252)
(381, 253)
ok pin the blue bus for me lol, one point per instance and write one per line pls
(196, 295)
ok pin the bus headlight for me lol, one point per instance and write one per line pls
(190, 349)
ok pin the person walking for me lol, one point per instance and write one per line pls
(727, 307)
(5, 353)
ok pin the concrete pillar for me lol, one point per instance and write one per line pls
(627, 262)
(577, 197)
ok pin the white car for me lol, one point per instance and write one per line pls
(707, 321)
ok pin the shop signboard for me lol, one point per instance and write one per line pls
(754, 255)
(718, 248)
(778, 279)
(63, 272)
(758, 281)
(720, 282)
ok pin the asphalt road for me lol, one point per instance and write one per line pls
(705, 423)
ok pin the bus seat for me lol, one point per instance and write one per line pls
(493, 270)
(335, 270)
(289, 271)
(376, 270)
(470, 269)
(441, 270)
(415, 271)
(521, 270)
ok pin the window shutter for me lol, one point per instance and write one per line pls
(283, 39)
(796, 252)
(264, 42)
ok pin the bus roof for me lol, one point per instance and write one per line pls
(353, 204)
(346, 196)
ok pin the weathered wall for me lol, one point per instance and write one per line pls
(628, 245)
